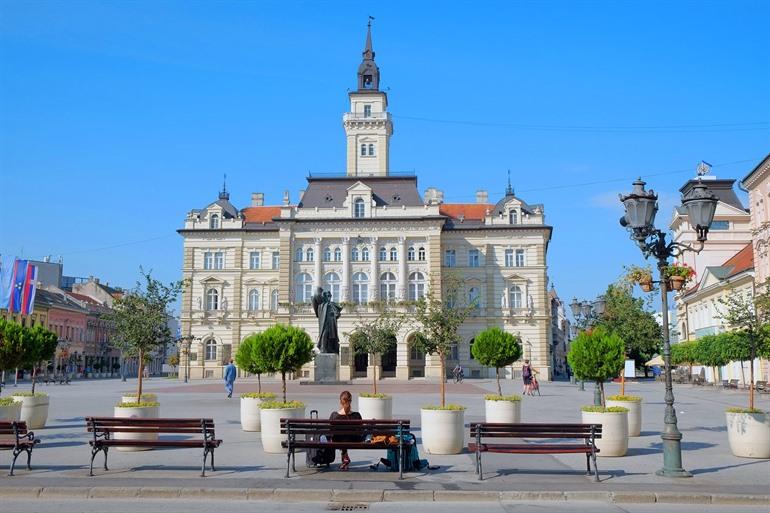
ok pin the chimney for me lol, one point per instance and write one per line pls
(257, 199)
(286, 198)
(434, 196)
(482, 196)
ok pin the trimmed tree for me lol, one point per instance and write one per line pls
(247, 358)
(596, 355)
(282, 348)
(683, 353)
(11, 345)
(496, 348)
(708, 351)
(140, 318)
(376, 337)
(39, 346)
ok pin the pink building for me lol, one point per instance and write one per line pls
(757, 184)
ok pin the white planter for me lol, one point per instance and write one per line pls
(443, 431)
(749, 434)
(634, 415)
(11, 412)
(148, 412)
(375, 407)
(614, 440)
(34, 410)
(250, 413)
(508, 412)
(271, 427)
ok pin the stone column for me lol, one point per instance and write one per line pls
(318, 255)
(374, 280)
(345, 288)
(402, 277)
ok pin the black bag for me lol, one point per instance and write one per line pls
(318, 457)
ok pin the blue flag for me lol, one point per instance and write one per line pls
(6, 278)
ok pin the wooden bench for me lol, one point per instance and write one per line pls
(22, 441)
(733, 383)
(298, 430)
(103, 429)
(587, 433)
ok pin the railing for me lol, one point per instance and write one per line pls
(361, 115)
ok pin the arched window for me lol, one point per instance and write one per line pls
(327, 254)
(388, 287)
(337, 255)
(383, 254)
(393, 254)
(332, 284)
(363, 150)
(304, 290)
(416, 286)
(365, 254)
(371, 150)
(410, 254)
(309, 255)
(254, 300)
(473, 297)
(360, 288)
(421, 254)
(513, 217)
(354, 254)
(212, 299)
(274, 300)
(359, 208)
(514, 296)
(214, 221)
(210, 351)
(298, 254)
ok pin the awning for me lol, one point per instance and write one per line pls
(658, 360)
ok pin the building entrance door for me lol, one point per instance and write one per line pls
(389, 364)
(360, 363)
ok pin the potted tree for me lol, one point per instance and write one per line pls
(597, 355)
(376, 338)
(140, 319)
(283, 349)
(39, 345)
(748, 429)
(678, 275)
(438, 323)
(246, 359)
(11, 354)
(496, 348)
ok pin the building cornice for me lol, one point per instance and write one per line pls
(757, 174)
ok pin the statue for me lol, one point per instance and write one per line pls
(327, 312)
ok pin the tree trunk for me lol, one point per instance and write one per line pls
(259, 384)
(623, 382)
(34, 375)
(751, 377)
(601, 390)
(122, 367)
(497, 374)
(141, 372)
(443, 380)
(374, 379)
(283, 385)
(743, 373)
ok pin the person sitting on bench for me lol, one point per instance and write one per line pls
(345, 413)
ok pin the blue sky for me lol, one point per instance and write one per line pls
(116, 118)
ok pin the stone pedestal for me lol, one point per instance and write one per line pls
(326, 365)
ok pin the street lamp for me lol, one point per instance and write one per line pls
(184, 346)
(640, 209)
(586, 313)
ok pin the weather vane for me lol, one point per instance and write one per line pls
(703, 168)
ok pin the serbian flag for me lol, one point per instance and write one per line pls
(23, 287)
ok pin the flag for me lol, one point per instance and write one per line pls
(30, 287)
(23, 287)
(6, 276)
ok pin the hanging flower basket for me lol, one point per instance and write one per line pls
(646, 286)
(641, 276)
(677, 275)
(676, 283)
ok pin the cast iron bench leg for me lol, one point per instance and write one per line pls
(16, 452)
(212, 460)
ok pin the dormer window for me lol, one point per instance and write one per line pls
(367, 111)
(359, 208)
(214, 221)
(513, 216)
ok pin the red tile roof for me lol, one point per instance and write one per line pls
(741, 261)
(83, 297)
(260, 214)
(475, 211)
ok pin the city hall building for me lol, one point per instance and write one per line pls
(371, 239)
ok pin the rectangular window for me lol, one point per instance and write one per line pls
(520, 258)
(219, 260)
(450, 258)
(254, 260)
(474, 259)
(367, 111)
(719, 225)
(508, 258)
(208, 260)
(276, 260)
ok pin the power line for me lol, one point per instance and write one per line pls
(120, 245)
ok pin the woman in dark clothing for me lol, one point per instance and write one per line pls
(345, 413)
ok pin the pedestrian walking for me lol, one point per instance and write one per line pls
(527, 376)
(230, 373)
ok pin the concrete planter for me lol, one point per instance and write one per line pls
(614, 440)
(503, 411)
(749, 434)
(11, 412)
(251, 414)
(133, 412)
(375, 407)
(634, 415)
(34, 410)
(443, 431)
(271, 427)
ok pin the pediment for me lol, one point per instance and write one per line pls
(211, 279)
(359, 187)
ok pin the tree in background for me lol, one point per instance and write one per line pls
(39, 345)
(683, 353)
(708, 351)
(629, 318)
(282, 348)
(11, 345)
(140, 318)
(376, 337)
(596, 355)
(173, 361)
(496, 348)
(248, 358)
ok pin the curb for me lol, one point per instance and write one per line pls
(368, 496)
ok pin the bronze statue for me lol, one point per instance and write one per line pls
(327, 312)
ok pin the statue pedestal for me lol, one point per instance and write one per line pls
(326, 367)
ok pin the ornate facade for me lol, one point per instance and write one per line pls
(372, 239)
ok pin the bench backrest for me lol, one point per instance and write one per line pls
(344, 427)
(134, 425)
(13, 427)
(499, 430)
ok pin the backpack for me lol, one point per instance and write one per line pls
(526, 372)
(413, 461)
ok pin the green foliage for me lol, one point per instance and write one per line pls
(709, 351)
(11, 345)
(143, 404)
(278, 405)
(282, 348)
(173, 360)
(259, 395)
(628, 317)
(683, 353)
(246, 358)
(596, 355)
(148, 396)
(7, 401)
(752, 411)
(509, 398)
(603, 409)
(628, 398)
(636, 274)
(496, 348)
(376, 337)
(29, 394)
(368, 395)
(450, 407)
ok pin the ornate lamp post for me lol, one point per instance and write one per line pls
(184, 344)
(586, 314)
(641, 207)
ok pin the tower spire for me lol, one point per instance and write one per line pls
(368, 72)
(509, 189)
(368, 52)
(224, 194)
